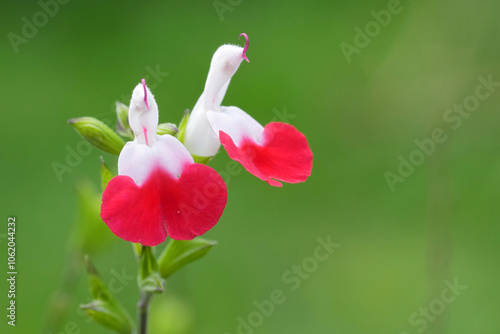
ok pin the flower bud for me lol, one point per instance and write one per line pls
(98, 134)
(122, 125)
(167, 129)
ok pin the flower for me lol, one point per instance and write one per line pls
(159, 191)
(275, 152)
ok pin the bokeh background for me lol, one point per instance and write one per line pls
(397, 248)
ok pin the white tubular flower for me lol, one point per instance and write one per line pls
(275, 152)
(201, 139)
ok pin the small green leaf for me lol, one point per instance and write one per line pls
(149, 278)
(98, 289)
(105, 309)
(122, 125)
(167, 129)
(98, 134)
(182, 126)
(106, 174)
(181, 252)
(105, 315)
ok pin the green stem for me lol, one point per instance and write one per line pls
(143, 308)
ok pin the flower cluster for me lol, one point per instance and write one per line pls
(162, 189)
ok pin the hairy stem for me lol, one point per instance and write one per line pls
(143, 308)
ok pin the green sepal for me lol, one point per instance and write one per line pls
(182, 126)
(105, 315)
(149, 278)
(167, 129)
(106, 174)
(98, 134)
(105, 309)
(201, 160)
(122, 124)
(137, 250)
(178, 253)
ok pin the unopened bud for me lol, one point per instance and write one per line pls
(98, 134)
(167, 129)
(122, 125)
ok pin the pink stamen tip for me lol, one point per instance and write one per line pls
(145, 93)
(145, 133)
(246, 46)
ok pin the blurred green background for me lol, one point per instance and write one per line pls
(397, 248)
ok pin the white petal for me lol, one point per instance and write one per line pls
(143, 118)
(236, 123)
(139, 160)
(225, 63)
(171, 155)
(136, 160)
(220, 95)
(200, 138)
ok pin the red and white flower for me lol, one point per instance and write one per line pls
(276, 152)
(159, 191)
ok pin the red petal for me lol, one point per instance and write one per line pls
(196, 204)
(132, 212)
(183, 208)
(284, 155)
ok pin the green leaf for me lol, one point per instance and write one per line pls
(181, 252)
(98, 289)
(98, 134)
(106, 174)
(105, 315)
(167, 129)
(182, 126)
(122, 125)
(105, 309)
(149, 278)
